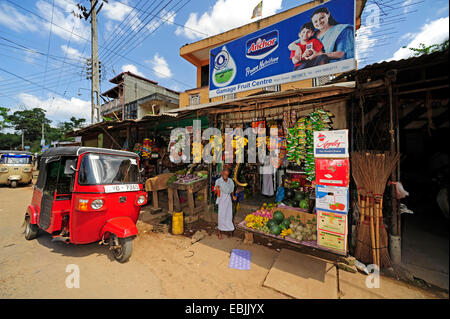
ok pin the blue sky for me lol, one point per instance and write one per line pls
(49, 58)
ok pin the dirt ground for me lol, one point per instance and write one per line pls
(162, 265)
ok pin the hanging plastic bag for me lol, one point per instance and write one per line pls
(400, 192)
(280, 194)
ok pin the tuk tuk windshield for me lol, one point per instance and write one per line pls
(97, 169)
(15, 159)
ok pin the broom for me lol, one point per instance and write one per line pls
(362, 251)
(386, 164)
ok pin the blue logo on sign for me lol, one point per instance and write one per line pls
(261, 46)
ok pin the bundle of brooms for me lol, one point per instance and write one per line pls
(371, 170)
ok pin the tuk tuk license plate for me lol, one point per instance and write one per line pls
(121, 188)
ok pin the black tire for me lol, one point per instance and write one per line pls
(123, 253)
(13, 184)
(31, 230)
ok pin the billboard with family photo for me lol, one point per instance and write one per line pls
(316, 42)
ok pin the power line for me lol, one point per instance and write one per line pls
(49, 41)
(20, 77)
(131, 28)
(115, 52)
(141, 40)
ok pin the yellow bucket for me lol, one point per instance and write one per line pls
(177, 223)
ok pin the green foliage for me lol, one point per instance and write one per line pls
(423, 49)
(30, 122)
(4, 120)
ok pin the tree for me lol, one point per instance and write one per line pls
(4, 118)
(9, 141)
(30, 122)
(423, 49)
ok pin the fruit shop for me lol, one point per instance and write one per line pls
(288, 209)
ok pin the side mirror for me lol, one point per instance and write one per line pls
(69, 167)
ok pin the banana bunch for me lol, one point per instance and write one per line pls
(197, 151)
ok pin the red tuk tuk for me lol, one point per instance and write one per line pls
(84, 195)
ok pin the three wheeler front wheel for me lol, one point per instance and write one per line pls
(123, 252)
(31, 230)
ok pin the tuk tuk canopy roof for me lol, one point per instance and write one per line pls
(15, 152)
(78, 150)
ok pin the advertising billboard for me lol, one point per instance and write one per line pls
(316, 42)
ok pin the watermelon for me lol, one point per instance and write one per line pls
(289, 193)
(286, 223)
(299, 196)
(275, 230)
(304, 204)
(271, 223)
(278, 216)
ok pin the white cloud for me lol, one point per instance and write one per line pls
(14, 19)
(30, 57)
(224, 15)
(115, 10)
(431, 33)
(72, 53)
(58, 108)
(11, 18)
(65, 20)
(406, 5)
(132, 68)
(120, 12)
(160, 67)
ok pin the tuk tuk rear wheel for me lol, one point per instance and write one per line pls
(13, 184)
(31, 230)
(123, 252)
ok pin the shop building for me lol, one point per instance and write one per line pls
(198, 54)
(133, 97)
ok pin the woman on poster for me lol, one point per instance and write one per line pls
(337, 38)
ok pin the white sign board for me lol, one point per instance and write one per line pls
(331, 144)
(332, 198)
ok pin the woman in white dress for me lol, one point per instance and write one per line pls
(224, 187)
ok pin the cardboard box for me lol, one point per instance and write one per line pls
(332, 241)
(333, 172)
(331, 222)
(287, 212)
(332, 198)
(331, 144)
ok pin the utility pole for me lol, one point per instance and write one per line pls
(95, 85)
(93, 63)
(23, 146)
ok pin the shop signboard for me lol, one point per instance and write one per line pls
(317, 42)
(333, 171)
(331, 144)
(332, 198)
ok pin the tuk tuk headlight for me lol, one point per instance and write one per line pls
(97, 204)
(141, 200)
(3, 169)
(27, 169)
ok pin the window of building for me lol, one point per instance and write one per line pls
(272, 88)
(322, 80)
(204, 75)
(131, 111)
(230, 96)
(194, 99)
